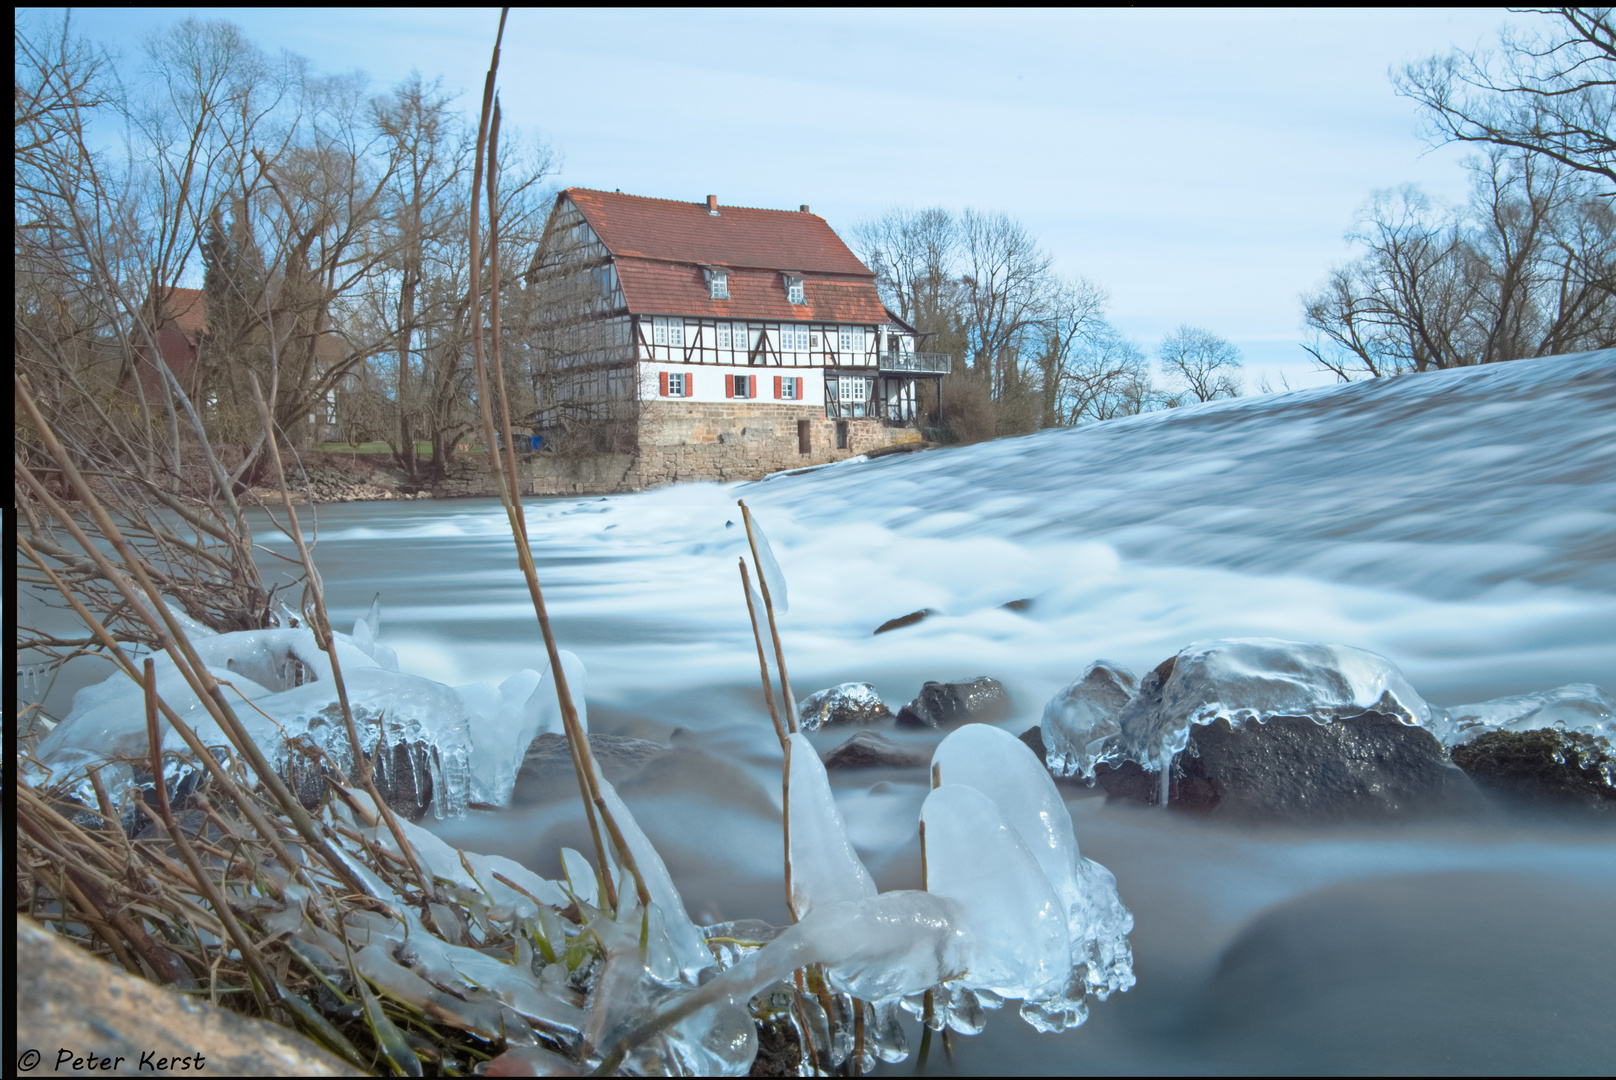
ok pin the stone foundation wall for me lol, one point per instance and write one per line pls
(744, 441)
(683, 441)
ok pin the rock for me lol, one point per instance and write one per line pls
(1546, 768)
(904, 620)
(867, 750)
(1400, 974)
(938, 705)
(1034, 738)
(69, 1000)
(1080, 722)
(547, 769)
(1293, 769)
(849, 703)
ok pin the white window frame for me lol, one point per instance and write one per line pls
(790, 388)
(718, 285)
(845, 386)
(796, 292)
(676, 384)
(802, 339)
(844, 340)
(676, 333)
(742, 340)
(788, 338)
(744, 382)
(659, 331)
(723, 335)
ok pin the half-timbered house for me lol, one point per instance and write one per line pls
(731, 341)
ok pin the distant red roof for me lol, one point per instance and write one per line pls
(187, 309)
(660, 245)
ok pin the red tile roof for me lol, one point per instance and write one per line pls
(660, 245)
(187, 309)
(671, 288)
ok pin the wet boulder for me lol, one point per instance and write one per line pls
(1546, 768)
(849, 703)
(547, 769)
(945, 705)
(867, 750)
(1295, 769)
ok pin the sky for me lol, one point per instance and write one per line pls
(1203, 166)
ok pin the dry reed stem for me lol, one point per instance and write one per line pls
(763, 663)
(790, 703)
(577, 741)
(170, 635)
(263, 985)
(116, 653)
(327, 641)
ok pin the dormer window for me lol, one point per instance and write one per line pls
(794, 290)
(717, 282)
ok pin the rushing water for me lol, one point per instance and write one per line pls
(1461, 524)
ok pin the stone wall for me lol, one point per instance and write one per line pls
(744, 441)
(687, 441)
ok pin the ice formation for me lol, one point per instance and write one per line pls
(1581, 707)
(278, 681)
(1010, 909)
(1233, 679)
(824, 867)
(1079, 721)
(769, 567)
(859, 698)
(1004, 769)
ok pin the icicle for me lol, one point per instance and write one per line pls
(824, 866)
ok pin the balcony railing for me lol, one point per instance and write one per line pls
(920, 363)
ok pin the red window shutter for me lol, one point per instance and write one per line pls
(778, 379)
(664, 377)
(729, 386)
(690, 384)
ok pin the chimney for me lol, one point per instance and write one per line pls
(712, 205)
(804, 208)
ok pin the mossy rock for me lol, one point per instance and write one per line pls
(1548, 767)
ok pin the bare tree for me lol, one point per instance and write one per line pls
(1549, 93)
(1204, 365)
(1004, 295)
(1527, 268)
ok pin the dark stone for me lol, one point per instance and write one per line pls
(1293, 769)
(904, 620)
(402, 773)
(1401, 974)
(849, 703)
(1017, 605)
(547, 768)
(779, 1051)
(939, 705)
(1034, 737)
(1544, 768)
(867, 750)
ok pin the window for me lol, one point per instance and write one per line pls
(723, 335)
(740, 386)
(788, 340)
(742, 337)
(814, 341)
(788, 388)
(845, 339)
(802, 337)
(856, 333)
(794, 291)
(676, 334)
(717, 285)
(678, 384)
(852, 389)
(659, 331)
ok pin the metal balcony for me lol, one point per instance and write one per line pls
(920, 363)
